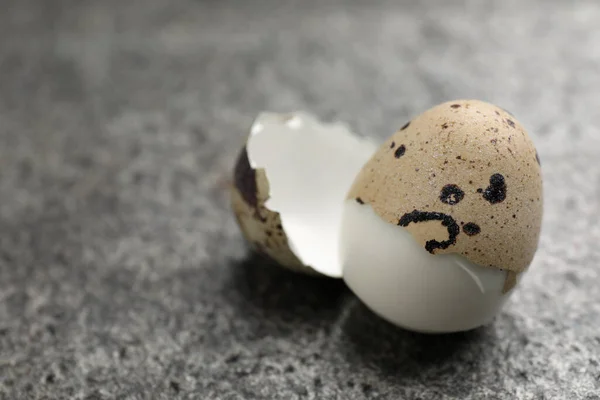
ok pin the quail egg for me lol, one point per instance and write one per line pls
(431, 229)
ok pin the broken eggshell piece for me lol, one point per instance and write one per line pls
(290, 182)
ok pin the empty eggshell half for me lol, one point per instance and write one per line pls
(290, 182)
(443, 219)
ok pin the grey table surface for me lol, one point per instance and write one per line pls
(122, 272)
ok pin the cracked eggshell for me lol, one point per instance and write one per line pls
(463, 179)
(259, 225)
(288, 188)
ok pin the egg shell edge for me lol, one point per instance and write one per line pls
(261, 227)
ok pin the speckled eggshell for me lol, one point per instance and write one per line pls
(463, 177)
(261, 227)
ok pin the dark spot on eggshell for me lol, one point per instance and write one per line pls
(455, 106)
(445, 125)
(497, 113)
(359, 200)
(392, 145)
(406, 125)
(480, 190)
(493, 141)
(496, 191)
(471, 229)
(400, 151)
(245, 179)
(417, 216)
(451, 194)
(510, 123)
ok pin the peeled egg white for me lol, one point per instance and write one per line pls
(404, 284)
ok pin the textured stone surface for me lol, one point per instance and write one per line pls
(122, 272)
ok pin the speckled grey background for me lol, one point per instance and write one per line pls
(122, 272)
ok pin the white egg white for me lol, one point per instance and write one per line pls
(406, 285)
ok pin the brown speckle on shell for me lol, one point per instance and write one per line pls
(471, 229)
(451, 194)
(244, 179)
(496, 191)
(400, 151)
